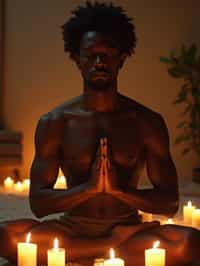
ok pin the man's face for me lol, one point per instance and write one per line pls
(99, 61)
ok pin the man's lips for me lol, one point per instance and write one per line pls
(100, 74)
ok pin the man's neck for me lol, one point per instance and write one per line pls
(100, 101)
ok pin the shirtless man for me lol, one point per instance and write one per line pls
(102, 141)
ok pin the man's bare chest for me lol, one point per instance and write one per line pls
(81, 139)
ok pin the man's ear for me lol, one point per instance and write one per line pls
(122, 59)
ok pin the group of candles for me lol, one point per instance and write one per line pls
(27, 255)
(23, 186)
(191, 216)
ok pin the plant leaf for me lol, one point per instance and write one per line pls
(175, 72)
(165, 60)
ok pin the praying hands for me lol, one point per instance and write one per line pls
(104, 177)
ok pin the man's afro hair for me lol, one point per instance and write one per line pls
(101, 17)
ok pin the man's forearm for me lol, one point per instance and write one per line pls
(49, 201)
(150, 200)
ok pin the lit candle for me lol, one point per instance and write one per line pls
(169, 221)
(146, 216)
(60, 183)
(26, 184)
(113, 261)
(18, 187)
(8, 183)
(196, 218)
(99, 262)
(56, 255)
(155, 256)
(187, 213)
(27, 253)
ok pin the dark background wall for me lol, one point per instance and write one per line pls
(40, 76)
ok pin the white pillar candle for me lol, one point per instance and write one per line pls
(26, 184)
(60, 183)
(113, 261)
(155, 256)
(187, 213)
(8, 183)
(169, 221)
(56, 255)
(18, 187)
(196, 218)
(26, 253)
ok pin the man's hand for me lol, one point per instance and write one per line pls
(104, 178)
(98, 179)
(109, 171)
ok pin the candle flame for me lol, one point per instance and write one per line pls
(170, 221)
(28, 237)
(156, 244)
(55, 243)
(189, 203)
(112, 253)
(8, 179)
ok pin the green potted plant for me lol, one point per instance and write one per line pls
(185, 65)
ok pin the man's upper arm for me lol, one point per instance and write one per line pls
(45, 165)
(160, 167)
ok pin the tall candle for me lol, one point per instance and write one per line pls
(26, 253)
(26, 184)
(8, 183)
(18, 187)
(155, 256)
(56, 255)
(196, 218)
(187, 213)
(113, 261)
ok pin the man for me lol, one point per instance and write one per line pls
(102, 141)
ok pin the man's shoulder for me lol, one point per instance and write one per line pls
(55, 117)
(141, 111)
(57, 112)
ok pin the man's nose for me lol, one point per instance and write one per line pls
(99, 60)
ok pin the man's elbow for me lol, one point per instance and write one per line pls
(36, 210)
(172, 208)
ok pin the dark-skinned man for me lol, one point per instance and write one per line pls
(102, 141)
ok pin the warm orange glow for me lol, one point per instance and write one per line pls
(18, 186)
(55, 245)
(8, 182)
(169, 221)
(112, 253)
(61, 183)
(156, 244)
(26, 184)
(28, 238)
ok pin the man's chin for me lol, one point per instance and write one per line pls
(100, 84)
